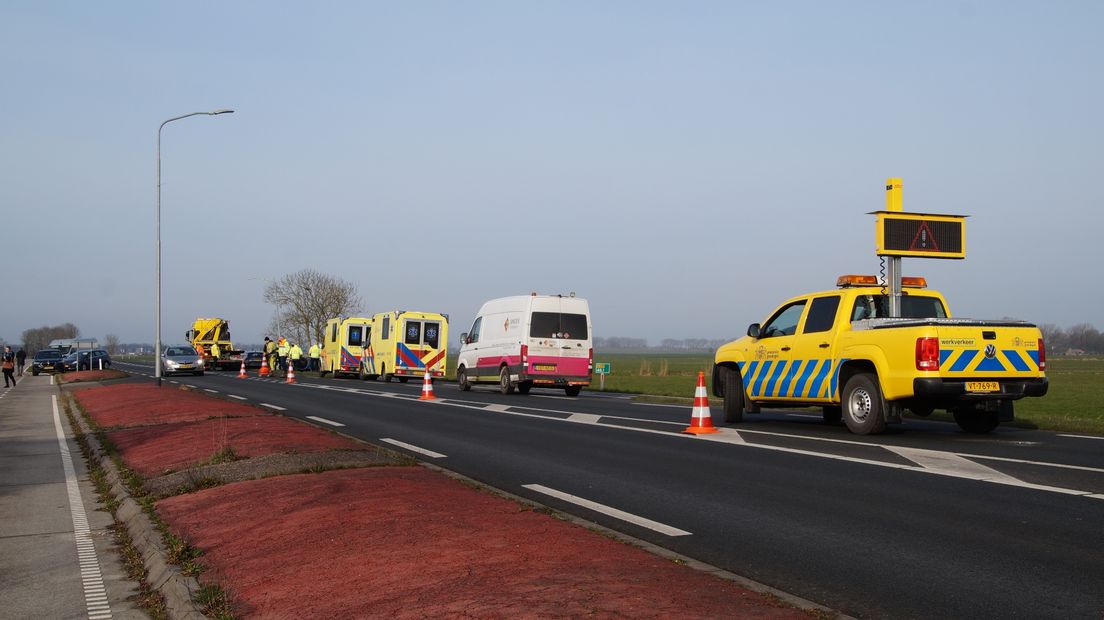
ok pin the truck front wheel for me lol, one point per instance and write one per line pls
(974, 421)
(733, 397)
(863, 405)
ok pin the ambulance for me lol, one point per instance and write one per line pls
(530, 340)
(343, 345)
(407, 344)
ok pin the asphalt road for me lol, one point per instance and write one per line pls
(923, 522)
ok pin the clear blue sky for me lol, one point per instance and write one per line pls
(683, 165)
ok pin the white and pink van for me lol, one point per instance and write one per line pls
(525, 341)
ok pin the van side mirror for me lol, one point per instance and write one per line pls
(464, 338)
(753, 330)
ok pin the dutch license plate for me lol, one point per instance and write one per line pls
(982, 386)
(185, 365)
(544, 367)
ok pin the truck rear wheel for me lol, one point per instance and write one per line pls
(462, 379)
(525, 386)
(974, 421)
(863, 405)
(571, 390)
(733, 397)
(504, 384)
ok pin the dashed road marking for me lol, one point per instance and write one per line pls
(210, 390)
(91, 577)
(413, 448)
(1081, 436)
(235, 396)
(324, 420)
(276, 407)
(628, 517)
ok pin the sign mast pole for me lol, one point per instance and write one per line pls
(893, 273)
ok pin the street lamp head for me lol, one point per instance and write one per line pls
(221, 112)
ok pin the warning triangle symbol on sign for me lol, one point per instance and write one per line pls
(924, 240)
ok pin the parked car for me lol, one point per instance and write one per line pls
(181, 359)
(86, 360)
(46, 360)
(253, 359)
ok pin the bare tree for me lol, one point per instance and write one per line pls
(111, 343)
(305, 300)
(40, 337)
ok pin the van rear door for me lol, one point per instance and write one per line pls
(559, 341)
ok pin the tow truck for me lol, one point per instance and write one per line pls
(841, 350)
(207, 332)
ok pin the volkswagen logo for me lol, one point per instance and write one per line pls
(990, 351)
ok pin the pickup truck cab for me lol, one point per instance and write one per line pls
(839, 350)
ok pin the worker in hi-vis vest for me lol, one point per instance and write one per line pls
(294, 355)
(215, 352)
(282, 351)
(315, 353)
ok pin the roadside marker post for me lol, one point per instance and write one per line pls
(602, 370)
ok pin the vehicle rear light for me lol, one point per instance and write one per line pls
(1042, 355)
(927, 354)
(524, 356)
(590, 361)
(400, 371)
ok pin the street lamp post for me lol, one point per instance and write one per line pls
(157, 343)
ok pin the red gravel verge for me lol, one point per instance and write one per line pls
(155, 450)
(90, 375)
(141, 404)
(405, 542)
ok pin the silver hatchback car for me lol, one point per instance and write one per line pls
(181, 359)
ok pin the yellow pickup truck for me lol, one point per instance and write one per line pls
(839, 350)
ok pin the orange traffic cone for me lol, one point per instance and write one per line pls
(241, 374)
(427, 388)
(264, 367)
(701, 422)
(291, 371)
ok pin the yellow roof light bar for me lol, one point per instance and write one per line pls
(855, 280)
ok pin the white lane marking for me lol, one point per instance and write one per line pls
(555, 397)
(655, 526)
(276, 407)
(951, 463)
(687, 406)
(324, 420)
(412, 448)
(584, 418)
(1081, 436)
(725, 438)
(734, 437)
(1027, 462)
(91, 578)
(237, 397)
(211, 391)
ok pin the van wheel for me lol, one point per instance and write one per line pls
(525, 386)
(462, 379)
(383, 373)
(863, 405)
(733, 397)
(362, 372)
(974, 421)
(404, 379)
(504, 384)
(573, 390)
